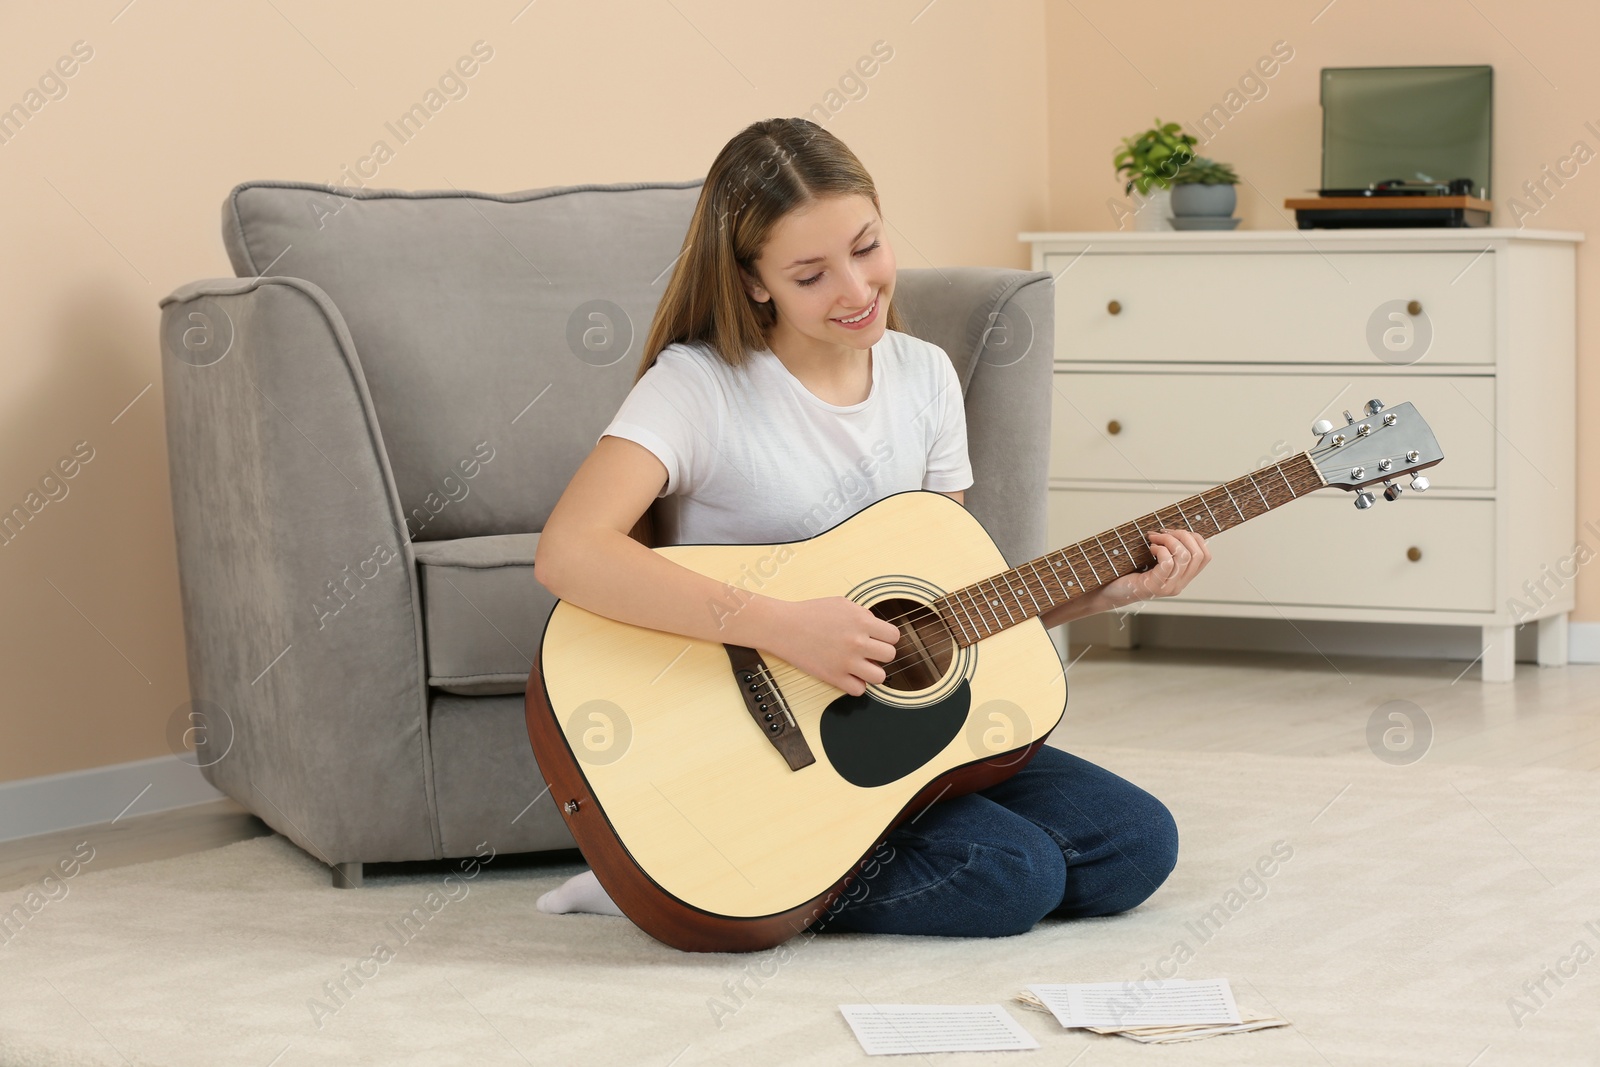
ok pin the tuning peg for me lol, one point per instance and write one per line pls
(1364, 500)
(1374, 406)
(1391, 491)
(1419, 483)
(1348, 418)
(1321, 427)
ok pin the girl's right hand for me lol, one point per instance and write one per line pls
(837, 641)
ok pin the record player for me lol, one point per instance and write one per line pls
(1386, 120)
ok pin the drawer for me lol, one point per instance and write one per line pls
(1321, 551)
(1208, 428)
(1274, 307)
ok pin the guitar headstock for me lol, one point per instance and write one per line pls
(1383, 445)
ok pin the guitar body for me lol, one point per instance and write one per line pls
(695, 822)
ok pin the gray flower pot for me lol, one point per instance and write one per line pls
(1197, 198)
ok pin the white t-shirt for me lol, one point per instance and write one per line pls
(754, 457)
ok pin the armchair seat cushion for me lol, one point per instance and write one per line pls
(483, 612)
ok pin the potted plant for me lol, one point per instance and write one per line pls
(1151, 160)
(1203, 197)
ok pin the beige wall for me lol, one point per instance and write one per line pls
(111, 198)
(990, 119)
(1114, 67)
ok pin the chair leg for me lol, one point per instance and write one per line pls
(347, 875)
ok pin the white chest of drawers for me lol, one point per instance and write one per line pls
(1186, 359)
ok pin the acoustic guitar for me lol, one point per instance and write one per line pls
(725, 799)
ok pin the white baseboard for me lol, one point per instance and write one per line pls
(1583, 642)
(1331, 638)
(98, 795)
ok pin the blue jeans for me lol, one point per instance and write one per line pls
(1061, 837)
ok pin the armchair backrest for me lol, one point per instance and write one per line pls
(498, 334)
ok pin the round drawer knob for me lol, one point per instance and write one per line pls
(1413, 553)
(1115, 307)
(1414, 307)
(1113, 427)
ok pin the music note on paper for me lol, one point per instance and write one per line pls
(895, 1029)
(1174, 1002)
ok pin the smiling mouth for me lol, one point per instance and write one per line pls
(865, 314)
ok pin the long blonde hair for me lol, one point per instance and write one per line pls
(768, 169)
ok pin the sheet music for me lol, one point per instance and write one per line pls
(895, 1029)
(1174, 1002)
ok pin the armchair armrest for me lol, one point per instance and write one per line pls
(301, 606)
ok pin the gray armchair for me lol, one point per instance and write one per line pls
(366, 431)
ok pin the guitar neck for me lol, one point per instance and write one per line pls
(994, 604)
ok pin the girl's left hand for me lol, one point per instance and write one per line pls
(1180, 555)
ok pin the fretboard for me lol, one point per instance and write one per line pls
(994, 604)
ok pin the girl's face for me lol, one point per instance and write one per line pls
(828, 261)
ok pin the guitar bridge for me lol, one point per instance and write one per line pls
(767, 707)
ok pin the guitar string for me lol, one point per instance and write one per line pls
(938, 646)
(780, 676)
(813, 683)
(1136, 524)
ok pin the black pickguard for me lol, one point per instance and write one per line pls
(871, 743)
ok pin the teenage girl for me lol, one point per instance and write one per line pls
(777, 396)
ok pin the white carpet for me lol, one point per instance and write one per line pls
(1412, 910)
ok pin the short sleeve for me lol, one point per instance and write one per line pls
(949, 467)
(674, 411)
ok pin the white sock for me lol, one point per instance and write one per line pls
(581, 892)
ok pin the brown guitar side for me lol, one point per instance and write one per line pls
(662, 915)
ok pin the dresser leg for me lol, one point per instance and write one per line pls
(1553, 641)
(1499, 660)
(1124, 629)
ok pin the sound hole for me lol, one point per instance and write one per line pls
(926, 645)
